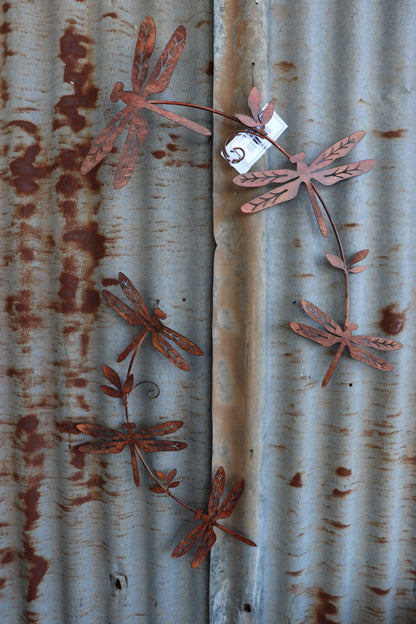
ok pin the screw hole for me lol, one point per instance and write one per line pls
(247, 608)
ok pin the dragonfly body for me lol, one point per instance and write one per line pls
(137, 100)
(152, 323)
(205, 531)
(113, 441)
(289, 180)
(333, 334)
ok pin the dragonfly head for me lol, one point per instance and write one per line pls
(117, 90)
(159, 313)
(297, 158)
(351, 326)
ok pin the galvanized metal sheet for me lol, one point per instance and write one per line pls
(80, 542)
(329, 473)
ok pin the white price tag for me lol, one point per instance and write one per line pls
(245, 149)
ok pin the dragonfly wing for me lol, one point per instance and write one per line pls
(166, 64)
(216, 491)
(320, 317)
(119, 306)
(160, 430)
(205, 546)
(99, 431)
(136, 475)
(362, 355)
(168, 351)
(105, 140)
(189, 540)
(337, 174)
(316, 209)
(153, 446)
(103, 447)
(135, 344)
(181, 341)
(231, 500)
(133, 295)
(272, 198)
(382, 344)
(182, 121)
(337, 150)
(262, 178)
(144, 48)
(137, 133)
(317, 335)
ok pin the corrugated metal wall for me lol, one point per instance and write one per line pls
(330, 473)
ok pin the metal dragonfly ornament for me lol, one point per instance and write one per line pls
(334, 334)
(113, 441)
(136, 100)
(205, 531)
(289, 180)
(152, 323)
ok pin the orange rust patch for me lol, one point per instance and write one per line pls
(343, 472)
(390, 134)
(340, 493)
(286, 67)
(296, 480)
(393, 320)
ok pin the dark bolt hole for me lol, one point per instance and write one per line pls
(118, 583)
(350, 385)
(247, 608)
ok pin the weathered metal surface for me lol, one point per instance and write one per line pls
(329, 473)
(79, 542)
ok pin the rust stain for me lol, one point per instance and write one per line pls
(343, 472)
(325, 608)
(378, 591)
(67, 185)
(339, 525)
(109, 281)
(37, 569)
(293, 573)
(112, 15)
(25, 173)
(159, 154)
(77, 72)
(296, 480)
(390, 134)
(285, 66)
(340, 493)
(69, 284)
(209, 70)
(88, 239)
(25, 211)
(21, 315)
(393, 320)
(349, 225)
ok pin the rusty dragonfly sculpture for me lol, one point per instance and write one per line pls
(205, 531)
(333, 334)
(113, 441)
(152, 323)
(136, 100)
(289, 181)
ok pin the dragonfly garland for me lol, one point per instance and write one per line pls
(152, 323)
(131, 116)
(333, 334)
(289, 180)
(205, 532)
